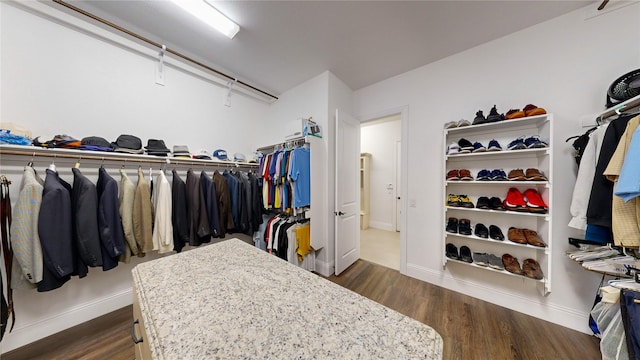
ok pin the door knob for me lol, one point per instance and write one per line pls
(339, 213)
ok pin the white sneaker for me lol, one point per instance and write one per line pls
(463, 122)
(450, 125)
(453, 148)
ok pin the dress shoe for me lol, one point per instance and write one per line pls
(533, 238)
(511, 264)
(496, 204)
(465, 254)
(495, 233)
(483, 203)
(452, 251)
(452, 225)
(481, 231)
(464, 227)
(516, 235)
(531, 269)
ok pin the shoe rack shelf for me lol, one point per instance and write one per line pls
(538, 158)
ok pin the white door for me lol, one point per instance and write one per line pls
(347, 212)
(398, 200)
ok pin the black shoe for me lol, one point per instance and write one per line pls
(464, 227)
(452, 252)
(496, 204)
(479, 119)
(494, 115)
(481, 231)
(452, 225)
(495, 233)
(483, 203)
(465, 146)
(465, 254)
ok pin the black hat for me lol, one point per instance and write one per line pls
(128, 143)
(157, 147)
(96, 141)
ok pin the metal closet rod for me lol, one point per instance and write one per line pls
(158, 45)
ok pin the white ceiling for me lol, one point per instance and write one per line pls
(284, 43)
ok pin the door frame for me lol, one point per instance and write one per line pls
(404, 138)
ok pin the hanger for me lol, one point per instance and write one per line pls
(77, 165)
(52, 166)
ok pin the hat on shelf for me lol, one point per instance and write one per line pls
(58, 141)
(202, 154)
(128, 144)
(95, 143)
(220, 155)
(16, 129)
(181, 151)
(157, 147)
(239, 157)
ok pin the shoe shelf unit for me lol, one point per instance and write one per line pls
(504, 132)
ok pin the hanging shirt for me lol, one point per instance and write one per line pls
(163, 228)
(143, 215)
(303, 236)
(126, 197)
(300, 174)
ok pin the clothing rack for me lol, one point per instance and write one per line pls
(55, 153)
(617, 109)
(287, 144)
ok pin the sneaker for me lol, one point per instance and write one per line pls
(517, 144)
(498, 175)
(494, 146)
(481, 231)
(494, 116)
(464, 201)
(452, 200)
(465, 254)
(465, 175)
(465, 146)
(515, 201)
(452, 225)
(534, 142)
(479, 119)
(535, 203)
(451, 125)
(453, 175)
(483, 175)
(516, 175)
(480, 259)
(496, 204)
(452, 251)
(464, 227)
(494, 262)
(532, 110)
(535, 175)
(495, 233)
(477, 147)
(463, 122)
(483, 203)
(453, 149)
(514, 114)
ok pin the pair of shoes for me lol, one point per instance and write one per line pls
(494, 175)
(453, 149)
(455, 226)
(459, 201)
(530, 174)
(494, 145)
(514, 114)
(531, 269)
(490, 204)
(493, 116)
(532, 110)
(478, 147)
(515, 201)
(465, 146)
(524, 142)
(479, 119)
(525, 236)
(455, 124)
(462, 174)
(492, 232)
(451, 251)
(491, 260)
(511, 264)
(516, 175)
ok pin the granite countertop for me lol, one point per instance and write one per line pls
(232, 301)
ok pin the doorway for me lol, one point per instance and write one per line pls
(380, 181)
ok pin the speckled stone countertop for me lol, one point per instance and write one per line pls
(232, 301)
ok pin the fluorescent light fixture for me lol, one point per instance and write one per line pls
(207, 13)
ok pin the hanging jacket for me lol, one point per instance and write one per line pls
(126, 196)
(224, 203)
(211, 203)
(199, 228)
(142, 215)
(84, 203)
(109, 223)
(179, 212)
(162, 229)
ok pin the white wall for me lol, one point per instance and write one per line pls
(62, 75)
(379, 139)
(564, 65)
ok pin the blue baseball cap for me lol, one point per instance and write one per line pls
(220, 155)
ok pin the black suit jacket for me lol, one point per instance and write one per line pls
(55, 231)
(199, 228)
(84, 203)
(109, 223)
(179, 212)
(211, 202)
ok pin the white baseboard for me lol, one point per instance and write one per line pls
(381, 225)
(29, 333)
(560, 315)
(324, 268)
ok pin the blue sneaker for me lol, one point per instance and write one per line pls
(477, 147)
(534, 142)
(483, 175)
(494, 146)
(517, 144)
(498, 175)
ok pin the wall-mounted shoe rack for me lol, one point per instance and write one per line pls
(538, 158)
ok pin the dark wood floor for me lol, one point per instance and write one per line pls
(471, 328)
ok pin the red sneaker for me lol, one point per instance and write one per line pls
(515, 201)
(535, 202)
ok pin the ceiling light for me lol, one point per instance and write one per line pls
(206, 12)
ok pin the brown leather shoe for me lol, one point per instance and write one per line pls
(511, 264)
(532, 174)
(453, 175)
(516, 235)
(516, 175)
(531, 269)
(533, 238)
(465, 174)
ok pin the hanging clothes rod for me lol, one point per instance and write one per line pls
(616, 109)
(158, 45)
(290, 142)
(34, 152)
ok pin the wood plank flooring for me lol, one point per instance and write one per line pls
(471, 328)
